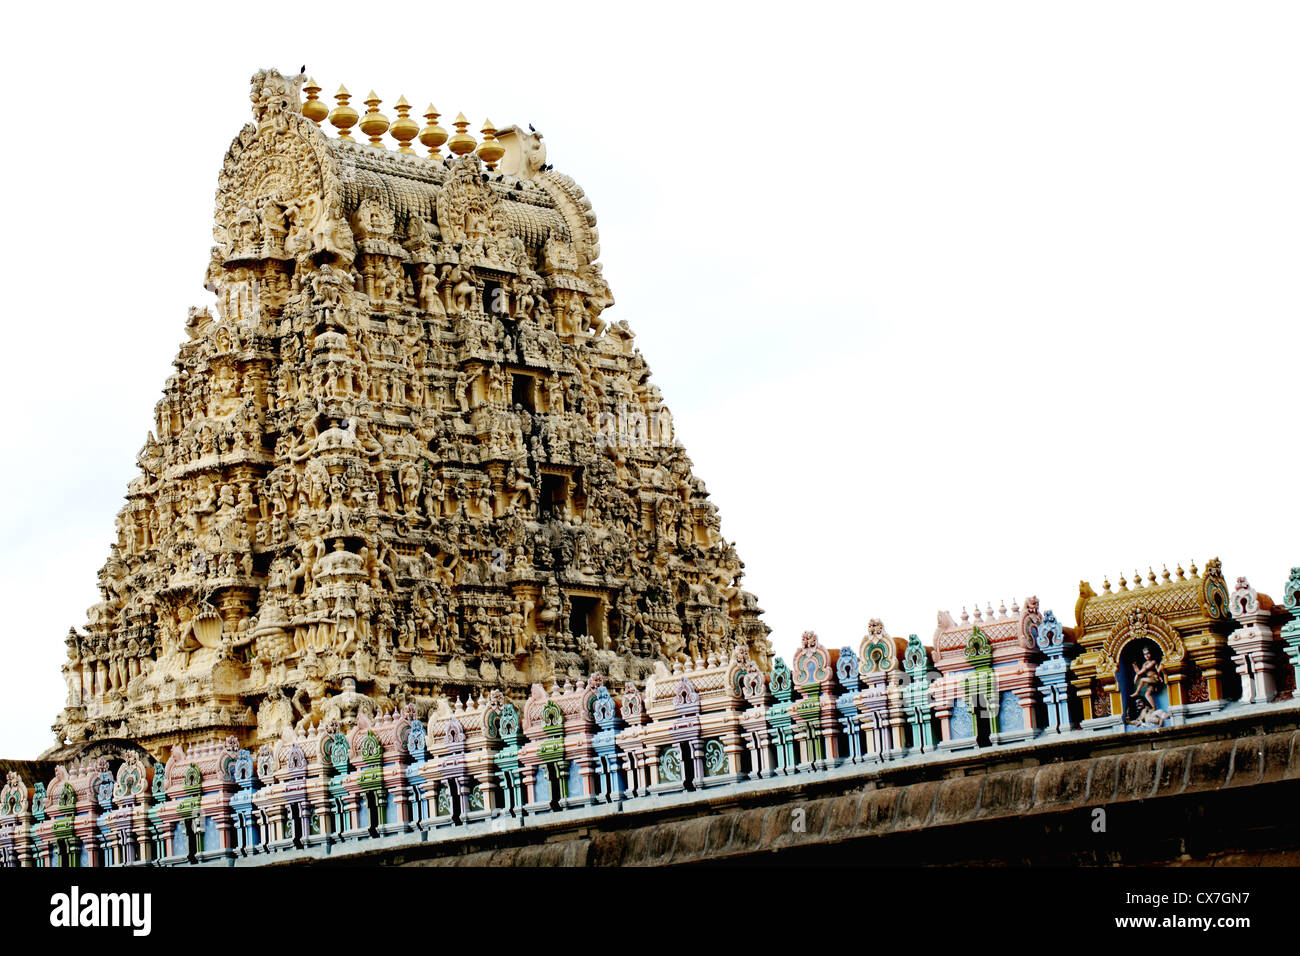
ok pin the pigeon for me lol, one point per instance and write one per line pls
(531, 128)
(303, 68)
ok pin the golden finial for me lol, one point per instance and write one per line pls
(1164, 573)
(314, 109)
(1193, 570)
(461, 142)
(343, 117)
(404, 129)
(490, 151)
(1123, 582)
(374, 124)
(432, 135)
(1105, 581)
(1151, 576)
(1181, 575)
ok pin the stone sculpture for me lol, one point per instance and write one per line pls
(383, 459)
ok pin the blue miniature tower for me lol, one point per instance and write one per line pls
(248, 836)
(846, 669)
(417, 744)
(608, 769)
(1054, 673)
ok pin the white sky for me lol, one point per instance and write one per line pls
(952, 302)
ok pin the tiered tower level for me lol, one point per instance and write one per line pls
(405, 458)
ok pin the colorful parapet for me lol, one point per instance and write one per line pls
(1154, 654)
(718, 725)
(458, 778)
(988, 690)
(693, 737)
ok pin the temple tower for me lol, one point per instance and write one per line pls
(406, 455)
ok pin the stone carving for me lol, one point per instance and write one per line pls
(375, 478)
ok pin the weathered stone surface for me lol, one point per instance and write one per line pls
(842, 815)
(1209, 765)
(1277, 756)
(916, 805)
(1246, 762)
(1137, 775)
(1172, 773)
(1293, 766)
(879, 808)
(749, 828)
(1006, 793)
(1061, 785)
(691, 840)
(608, 849)
(956, 799)
(720, 833)
(801, 823)
(1103, 778)
(651, 846)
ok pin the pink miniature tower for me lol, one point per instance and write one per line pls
(55, 844)
(631, 742)
(544, 759)
(988, 691)
(1257, 647)
(695, 732)
(759, 750)
(580, 729)
(880, 704)
(325, 748)
(445, 779)
(814, 713)
(282, 769)
(128, 823)
(15, 822)
(672, 737)
(1015, 660)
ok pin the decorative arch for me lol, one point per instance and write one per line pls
(279, 194)
(1141, 623)
(877, 651)
(811, 660)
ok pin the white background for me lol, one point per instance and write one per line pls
(952, 302)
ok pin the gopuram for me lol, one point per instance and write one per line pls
(414, 568)
(407, 458)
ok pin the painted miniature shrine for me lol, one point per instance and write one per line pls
(413, 547)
